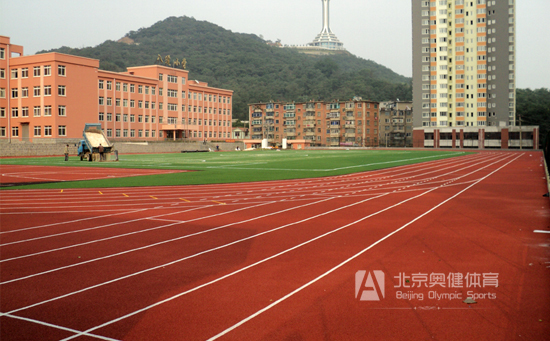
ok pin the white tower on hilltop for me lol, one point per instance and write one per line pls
(327, 39)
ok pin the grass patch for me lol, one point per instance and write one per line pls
(230, 167)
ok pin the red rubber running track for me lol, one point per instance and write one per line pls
(381, 255)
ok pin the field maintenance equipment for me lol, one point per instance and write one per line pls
(88, 148)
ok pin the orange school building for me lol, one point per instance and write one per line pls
(49, 97)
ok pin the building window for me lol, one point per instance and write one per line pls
(101, 116)
(109, 101)
(109, 117)
(147, 90)
(109, 132)
(172, 79)
(132, 133)
(47, 71)
(25, 112)
(47, 130)
(25, 72)
(132, 88)
(132, 103)
(14, 112)
(101, 84)
(101, 100)
(132, 118)
(14, 74)
(125, 87)
(61, 131)
(2, 53)
(25, 92)
(61, 70)
(160, 76)
(2, 93)
(37, 130)
(117, 117)
(15, 131)
(14, 93)
(47, 90)
(2, 73)
(125, 118)
(62, 110)
(61, 90)
(36, 91)
(140, 89)
(48, 110)
(36, 71)
(117, 102)
(3, 131)
(117, 86)
(2, 112)
(125, 133)
(109, 85)
(117, 133)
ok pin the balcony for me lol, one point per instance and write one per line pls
(310, 133)
(349, 135)
(350, 125)
(291, 133)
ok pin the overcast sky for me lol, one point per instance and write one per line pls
(375, 30)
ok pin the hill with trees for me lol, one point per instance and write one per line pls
(256, 71)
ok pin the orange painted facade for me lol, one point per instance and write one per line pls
(338, 123)
(51, 96)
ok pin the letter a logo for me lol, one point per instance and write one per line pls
(371, 289)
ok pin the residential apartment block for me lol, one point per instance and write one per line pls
(49, 97)
(337, 123)
(396, 124)
(464, 63)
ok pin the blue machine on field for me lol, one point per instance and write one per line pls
(93, 137)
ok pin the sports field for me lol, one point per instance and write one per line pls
(214, 167)
(445, 249)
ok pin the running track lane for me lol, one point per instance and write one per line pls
(457, 236)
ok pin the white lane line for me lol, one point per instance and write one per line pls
(235, 326)
(269, 258)
(131, 233)
(97, 227)
(74, 331)
(170, 240)
(73, 221)
(541, 231)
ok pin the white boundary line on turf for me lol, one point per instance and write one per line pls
(332, 169)
(235, 326)
(271, 257)
(59, 327)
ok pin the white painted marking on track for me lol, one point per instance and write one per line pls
(235, 326)
(240, 270)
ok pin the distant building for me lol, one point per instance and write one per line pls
(464, 75)
(240, 133)
(326, 42)
(396, 124)
(49, 97)
(464, 63)
(331, 124)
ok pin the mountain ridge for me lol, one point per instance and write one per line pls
(246, 64)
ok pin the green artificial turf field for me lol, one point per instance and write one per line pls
(225, 167)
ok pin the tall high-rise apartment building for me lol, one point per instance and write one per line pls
(464, 63)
